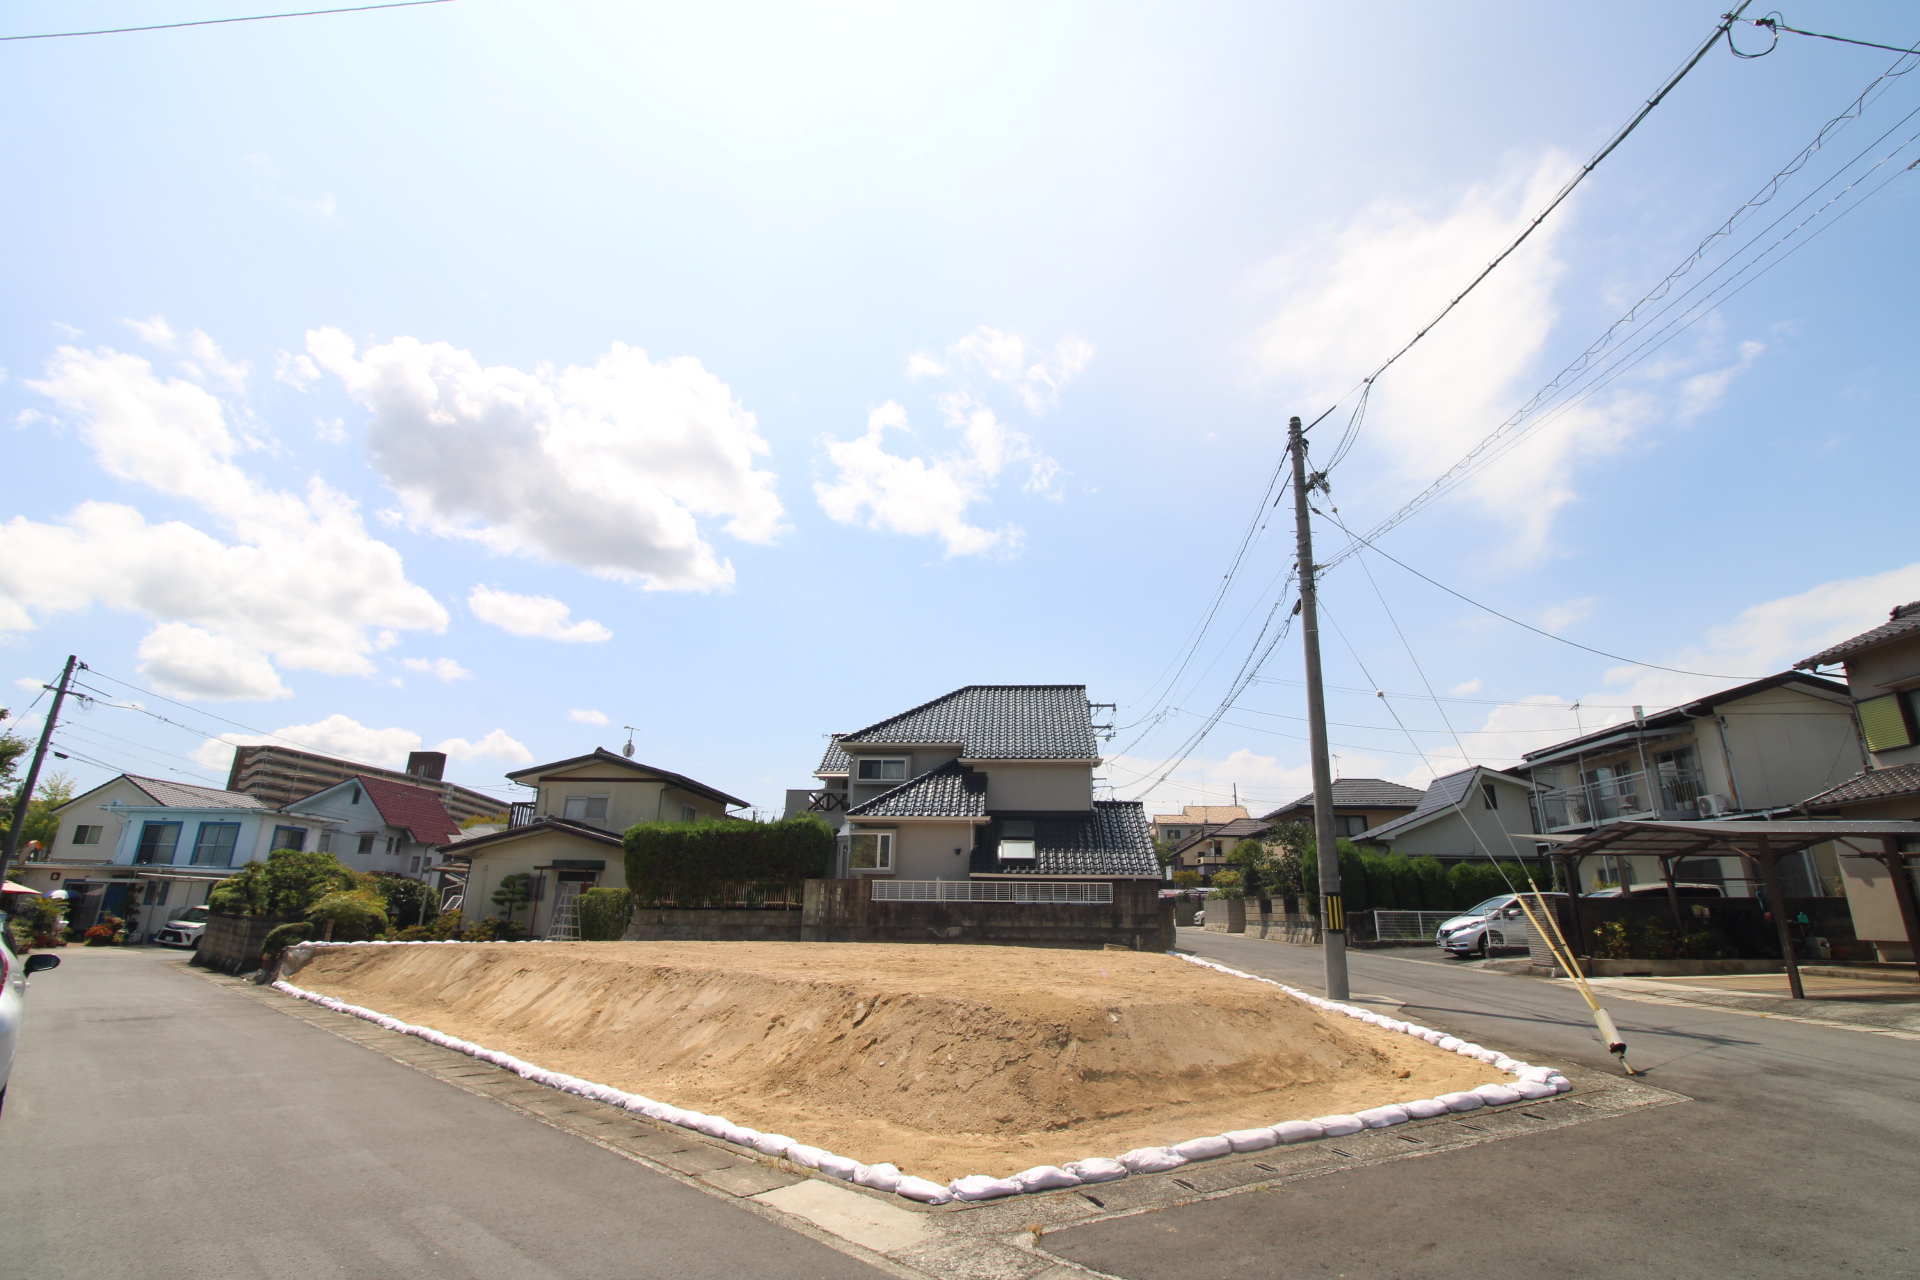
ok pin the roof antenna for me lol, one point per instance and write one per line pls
(627, 750)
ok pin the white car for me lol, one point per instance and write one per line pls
(13, 989)
(184, 930)
(1497, 922)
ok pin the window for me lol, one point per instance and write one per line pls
(364, 844)
(1886, 723)
(1489, 798)
(883, 770)
(393, 842)
(157, 841)
(591, 809)
(289, 837)
(1016, 839)
(1349, 824)
(870, 851)
(1016, 850)
(214, 848)
(413, 865)
(689, 814)
(87, 834)
(356, 795)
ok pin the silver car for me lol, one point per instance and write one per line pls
(1497, 923)
(14, 969)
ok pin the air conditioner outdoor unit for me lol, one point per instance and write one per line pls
(1712, 806)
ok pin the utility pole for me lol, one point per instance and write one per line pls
(1333, 916)
(33, 770)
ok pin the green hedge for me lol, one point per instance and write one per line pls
(714, 864)
(604, 913)
(1372, 881)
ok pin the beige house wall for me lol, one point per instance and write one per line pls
(630, 799)
(1788, 745)
(1019, 786)
(87, 809)
(494, 863)
(1878, 672)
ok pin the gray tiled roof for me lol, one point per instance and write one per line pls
(1361, 793)
(996, 722)
(1442, 794)
(1235, 831)
(182, 795)
(951, 791)
(1904, 620)
(1875, 784)
(834, 763)
(1110, 841)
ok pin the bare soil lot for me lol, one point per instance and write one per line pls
(943, 1059)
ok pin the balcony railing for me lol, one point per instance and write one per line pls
(521, 814)
(1621, 796)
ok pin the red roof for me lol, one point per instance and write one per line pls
(415, 809)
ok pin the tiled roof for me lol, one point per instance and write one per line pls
(835, 763)
(1903, 620)
(416, 810)
(1875, 784)
(1360, 793)
(1237, 830)
(472, 846)
(1442, 794)
(996, 722)
(182, 795)
(951, 791)
(1110, 841)
(1204, 813)
(600, 755)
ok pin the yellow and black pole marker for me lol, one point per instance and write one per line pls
(1333, 913)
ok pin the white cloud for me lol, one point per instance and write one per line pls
(1036, 376)
(189, 662)
(1558, 617)
(337, 735)
(204, 361)
(1703, 392)
(496, 745)
(439, 668)
(155, 332)
(32, 684)
(302, 582)
(607, 468)
(297, 371)
(1465, 689)
(913, 496)
(537, 616)
(579, 716)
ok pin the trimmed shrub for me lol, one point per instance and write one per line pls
(22, 931)
(444, 926)
(494, 929)
(281, 937)
(358, 915)
(1227, 884)
(409, 902)
(286, 884)
(603, 914)
(101, 935)
(717, 863)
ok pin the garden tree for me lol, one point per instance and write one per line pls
(604, 913)
(1163, 850)
(41, 823)
(515, 892)
(356, 915)
(1258, 867)
(1227, 884)
(1186, 879)
(286, 884)
(408, 901)
(12, 747)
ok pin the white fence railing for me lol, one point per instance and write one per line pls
(1408, 926)
(1072, 891)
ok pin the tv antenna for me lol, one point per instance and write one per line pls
(627, 750)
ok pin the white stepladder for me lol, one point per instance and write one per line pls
(565, 925)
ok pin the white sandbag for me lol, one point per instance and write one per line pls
(773, 1144)
(1381, 1117)
(1250, 1139)
(1496, 1095)
(881, 1177)
(920, 1189)
(1203, 1148)
(1541, 1074)
(1045, 1177)
(739, 1135)
(1560, 1083)
(1426, 1108)
(1420, 1032)
(1449, 1043)
(1533, 1089)
(1097, 1169)
(670, 1114)
(978, 1186)
(841, 1167)
(1289, 1131)
(1461, 1101)
(702, 1123)
(1509, 1065)
(805, 1156)
(1152, 1159)
(1340, 1126)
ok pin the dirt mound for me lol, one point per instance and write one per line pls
(943, 1059)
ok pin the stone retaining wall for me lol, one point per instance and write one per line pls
(666, 924)
(232, 944)
(1138, 918)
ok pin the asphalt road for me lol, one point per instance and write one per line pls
(1797, 1155)
(157, 1126)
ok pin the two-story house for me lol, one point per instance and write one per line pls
(1467, 815)
(1205, 850)
(987, 784)
(567, 838)
(1359, 805)
(382, 825)
(1753, 750)
(159, 845)
(1883, 676)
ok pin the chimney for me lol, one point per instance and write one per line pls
(426, 764)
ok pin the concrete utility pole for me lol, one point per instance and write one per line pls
(33, 770)
(1333, 916)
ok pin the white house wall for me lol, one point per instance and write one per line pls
(492, 865)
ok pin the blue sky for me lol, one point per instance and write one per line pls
(461, 374)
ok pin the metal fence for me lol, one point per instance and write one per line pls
(991, 891)
(1408, 926)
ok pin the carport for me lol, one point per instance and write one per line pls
(1761, 845)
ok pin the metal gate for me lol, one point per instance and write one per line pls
(1409, 926)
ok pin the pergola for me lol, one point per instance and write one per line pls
(1761, 845)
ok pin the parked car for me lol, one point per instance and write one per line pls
(14, 969)
(1681, 889)
(1498, 922)
(184, 930)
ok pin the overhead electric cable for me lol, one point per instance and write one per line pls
(220, 22)
(1773, 24)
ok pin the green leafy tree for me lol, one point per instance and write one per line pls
(357, 915)
(286, 884)
(604, 913)
(1227, 884)
(515, 892)
(1259, 868)
(12, 747)
(42, 823)
(1186, 879)
(409, 902)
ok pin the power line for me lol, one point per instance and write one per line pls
(1776, 26)
(218, 22)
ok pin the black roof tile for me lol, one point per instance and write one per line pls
(1112, 840)
(995, 722)
(951, 791)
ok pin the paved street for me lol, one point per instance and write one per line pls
(158, 1126)
(1797, 1155)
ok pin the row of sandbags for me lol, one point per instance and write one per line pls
(1529, 1083)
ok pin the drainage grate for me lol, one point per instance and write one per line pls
(1529, 1115)
(1269, 1168)
(1418, 1142)
(1476, 1128)
(1348, 1154)
(1188, 1185)
(1095, 1201)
